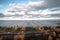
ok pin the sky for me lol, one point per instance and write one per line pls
(29, 9)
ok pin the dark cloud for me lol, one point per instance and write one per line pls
(55, 9)
(16, 15)
(53, 3)
(49, 4)
(45, 4)
(1, 15)
(55, 15)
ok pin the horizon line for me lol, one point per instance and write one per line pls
(10, 18)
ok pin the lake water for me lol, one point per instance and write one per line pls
(28, 22)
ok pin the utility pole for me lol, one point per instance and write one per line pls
(21, 35)
(23, 29)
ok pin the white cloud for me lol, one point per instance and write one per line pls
(19, 18)
(34, 12)
(20, 7)
(21, 13)
(1, 5)
(26, 16)
(55, 12)
(55, 8)
(48, 11)
(9, 14)
(11, 10)
(14, 14)
(45, 12)
(37, 4)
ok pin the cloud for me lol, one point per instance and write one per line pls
(33, 9)
(11, 10)
(21, 13)
(52, 3)
(38, 4)
(1, 14)
(1, 5)
(55, 8)
(26, 7)
(20, 7)
(54, 14)
(17, 14)
(34, 13)
(12, 18)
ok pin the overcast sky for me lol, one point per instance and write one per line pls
(29, 9)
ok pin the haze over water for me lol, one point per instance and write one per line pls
(33, 23)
